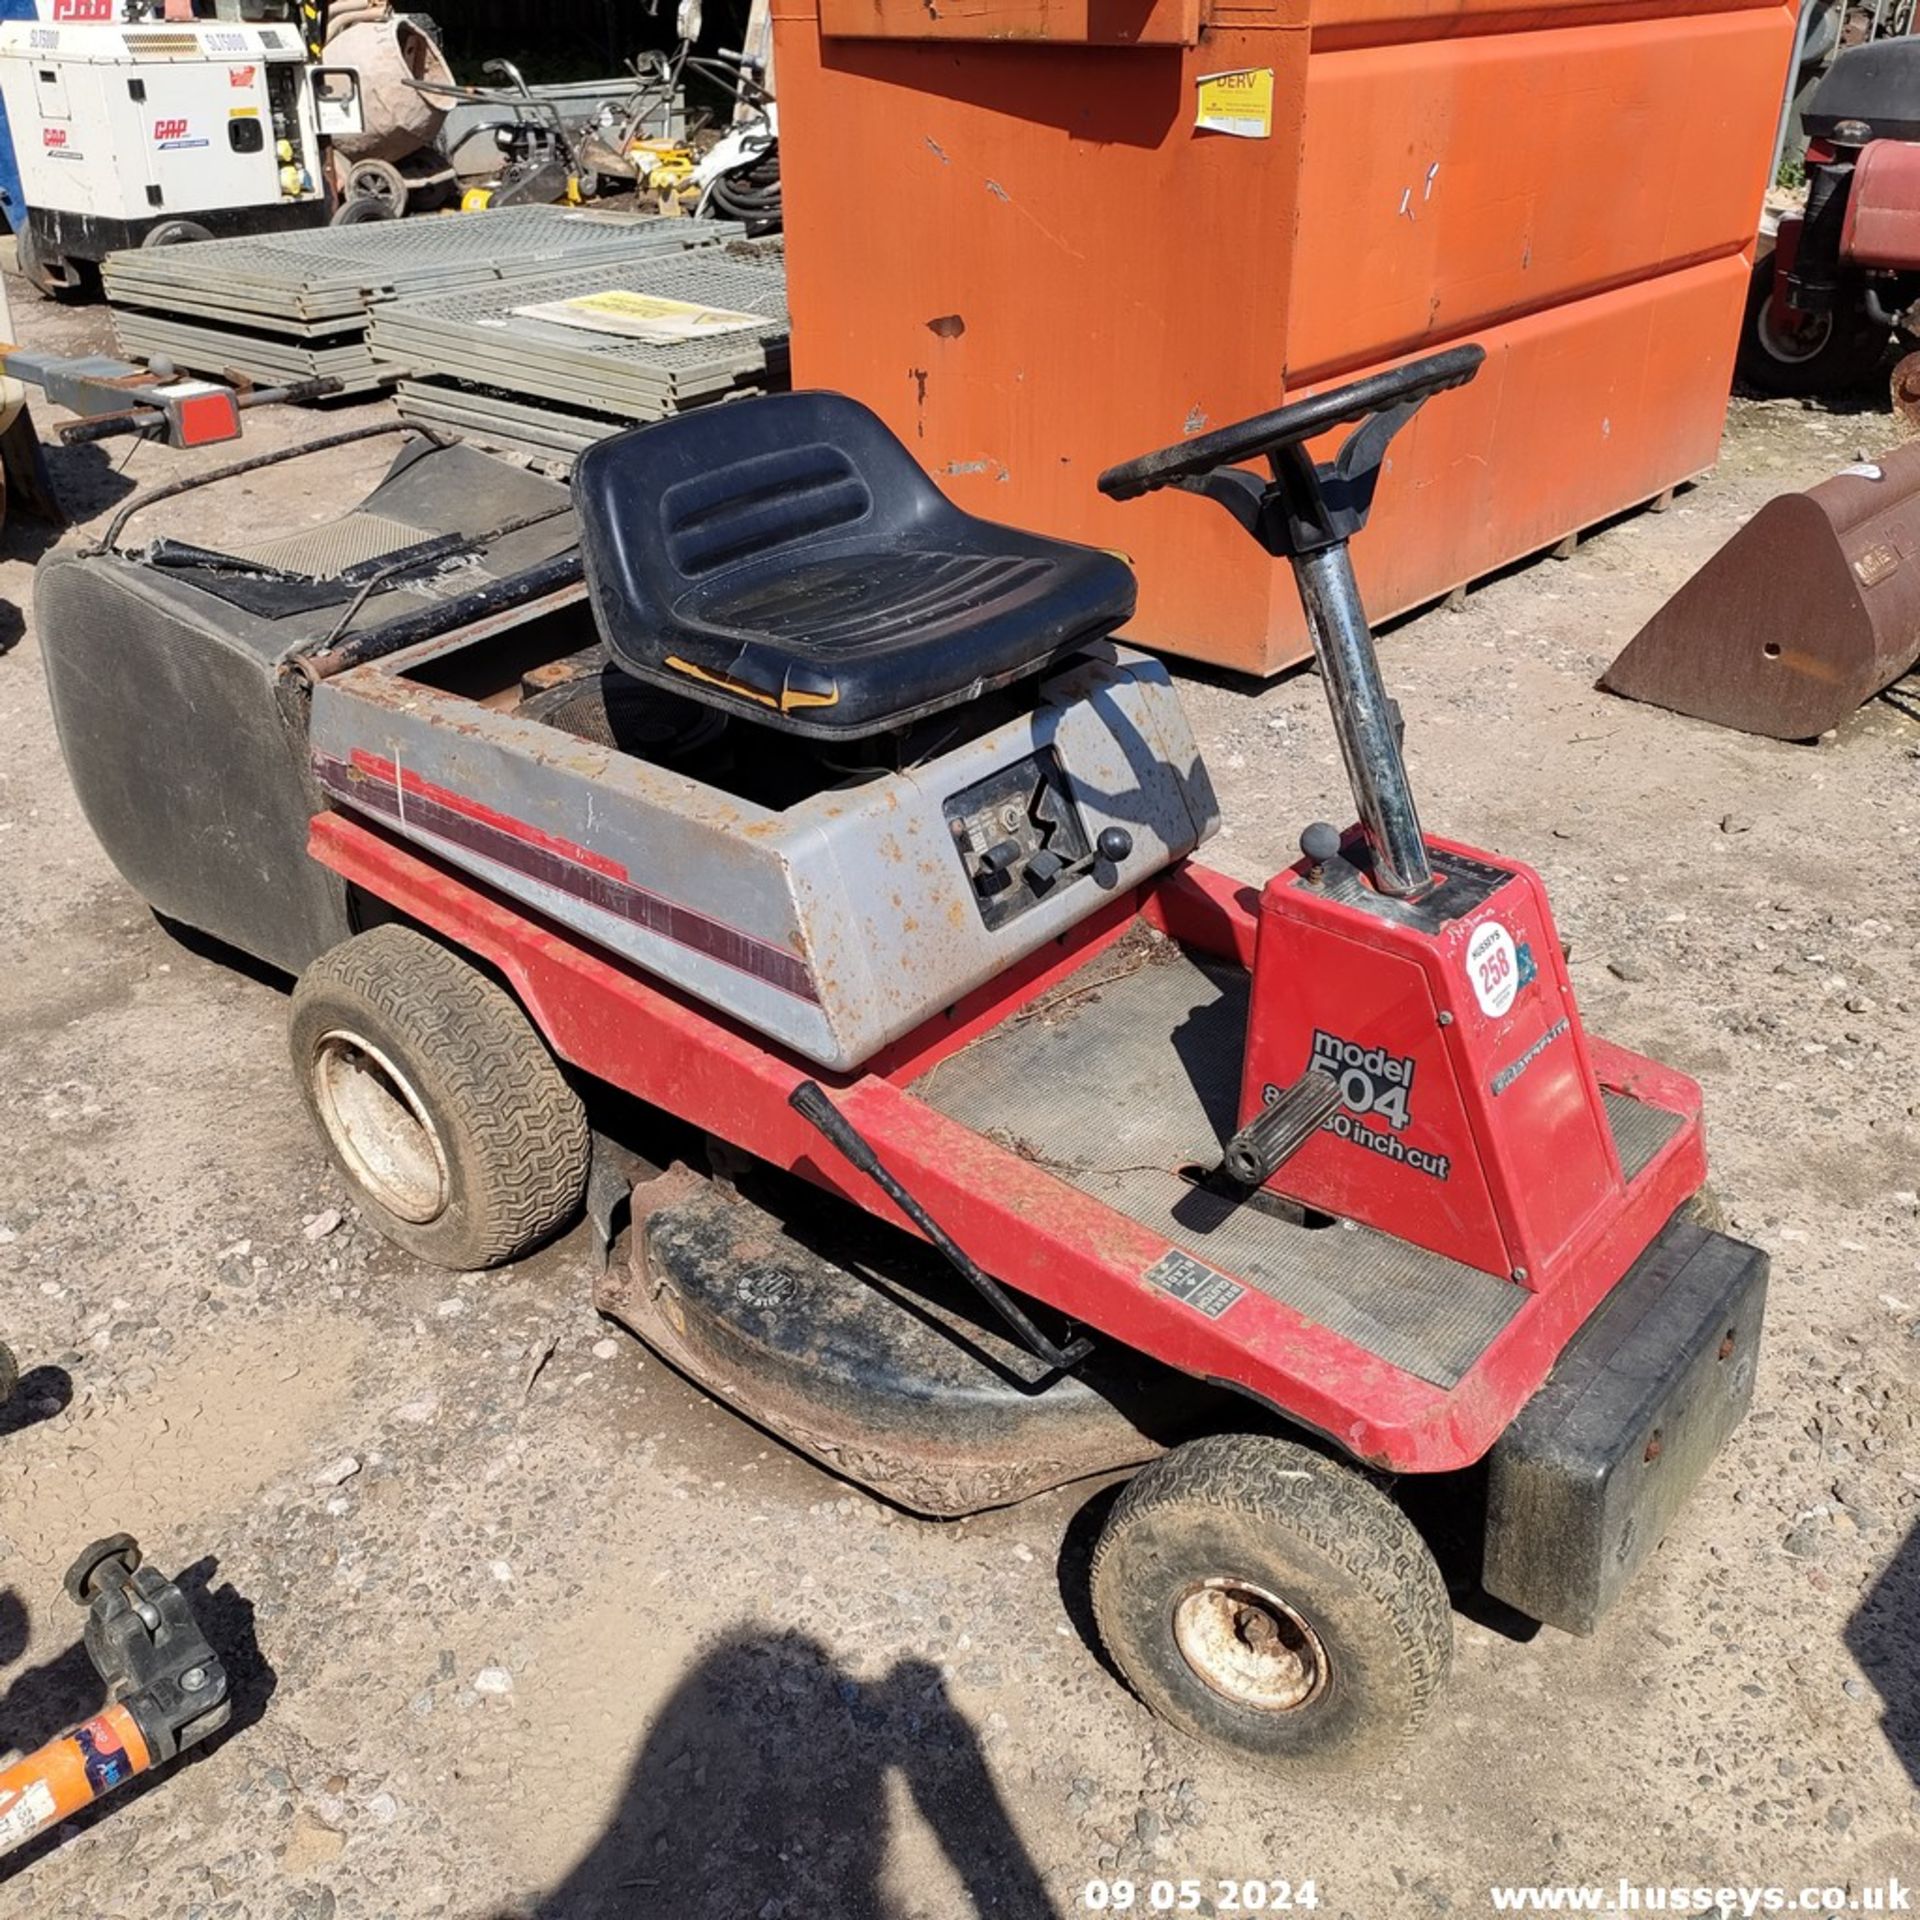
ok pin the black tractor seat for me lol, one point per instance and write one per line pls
(787, 559)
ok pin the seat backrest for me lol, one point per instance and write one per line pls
(666, 508)
(760, 505)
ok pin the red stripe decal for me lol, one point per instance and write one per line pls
(419, 807)
(410, 783)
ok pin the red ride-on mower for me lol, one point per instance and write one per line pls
(1843, 279)
(1017, 1146)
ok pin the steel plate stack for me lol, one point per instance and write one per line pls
(294, 306)
(478, 366)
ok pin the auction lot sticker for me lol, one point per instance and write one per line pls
(1494, 968)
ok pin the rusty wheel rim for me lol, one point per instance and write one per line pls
(380, 1127)
(1249, 1646)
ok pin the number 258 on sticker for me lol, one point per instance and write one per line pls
(1493, 968)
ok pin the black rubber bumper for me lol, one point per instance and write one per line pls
(1593, 1469)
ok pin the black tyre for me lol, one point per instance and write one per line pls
(357, 213)
(437, 1100)
(175, 233)
(1269, 1601)
(1821, 353)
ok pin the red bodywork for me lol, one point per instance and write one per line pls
(1023, 1225)
(1882, 224)
(1883, 207)
(1472, 1123)
(1786, 250)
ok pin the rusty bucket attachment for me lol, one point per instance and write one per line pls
(1810, 609)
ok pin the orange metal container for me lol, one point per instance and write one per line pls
(1007, 234)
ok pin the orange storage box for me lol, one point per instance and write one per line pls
(1040, 236)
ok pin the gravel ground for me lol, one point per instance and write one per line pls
(562, 1638)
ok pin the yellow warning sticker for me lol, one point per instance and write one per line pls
(1239, 103)
(642, 316)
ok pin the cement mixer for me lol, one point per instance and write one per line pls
(394, 159)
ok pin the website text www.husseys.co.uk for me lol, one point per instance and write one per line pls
(1721, 1903)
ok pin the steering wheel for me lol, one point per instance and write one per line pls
(1398, 388)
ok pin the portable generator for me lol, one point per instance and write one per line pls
(133, 128)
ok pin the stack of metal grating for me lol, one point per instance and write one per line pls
(295, 306)
(479, 366)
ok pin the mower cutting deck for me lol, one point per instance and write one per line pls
(1022, 1146)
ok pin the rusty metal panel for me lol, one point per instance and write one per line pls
(833, 925)
(1811, 608)
(1129, 1071)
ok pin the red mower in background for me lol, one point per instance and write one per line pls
(753, 798)
(1843, 279)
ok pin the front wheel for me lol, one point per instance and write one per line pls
(1271, 1602)
(176, 233)
(359, 213)
(1794, 356)
(437, 1099)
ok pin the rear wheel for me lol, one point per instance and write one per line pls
(1269, 1601)
(437, 1100)
(1793, 356)
(176, 233)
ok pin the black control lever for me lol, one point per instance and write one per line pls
(813, 1106)
(1281, 1128)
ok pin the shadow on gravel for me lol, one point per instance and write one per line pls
(41, 1703)
(16, 1627)
(761, 1794)
(79, 482)
(42, 1393)
(1903, 697)
(1884, 1637)
(209, 946)
(1074, 1573)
